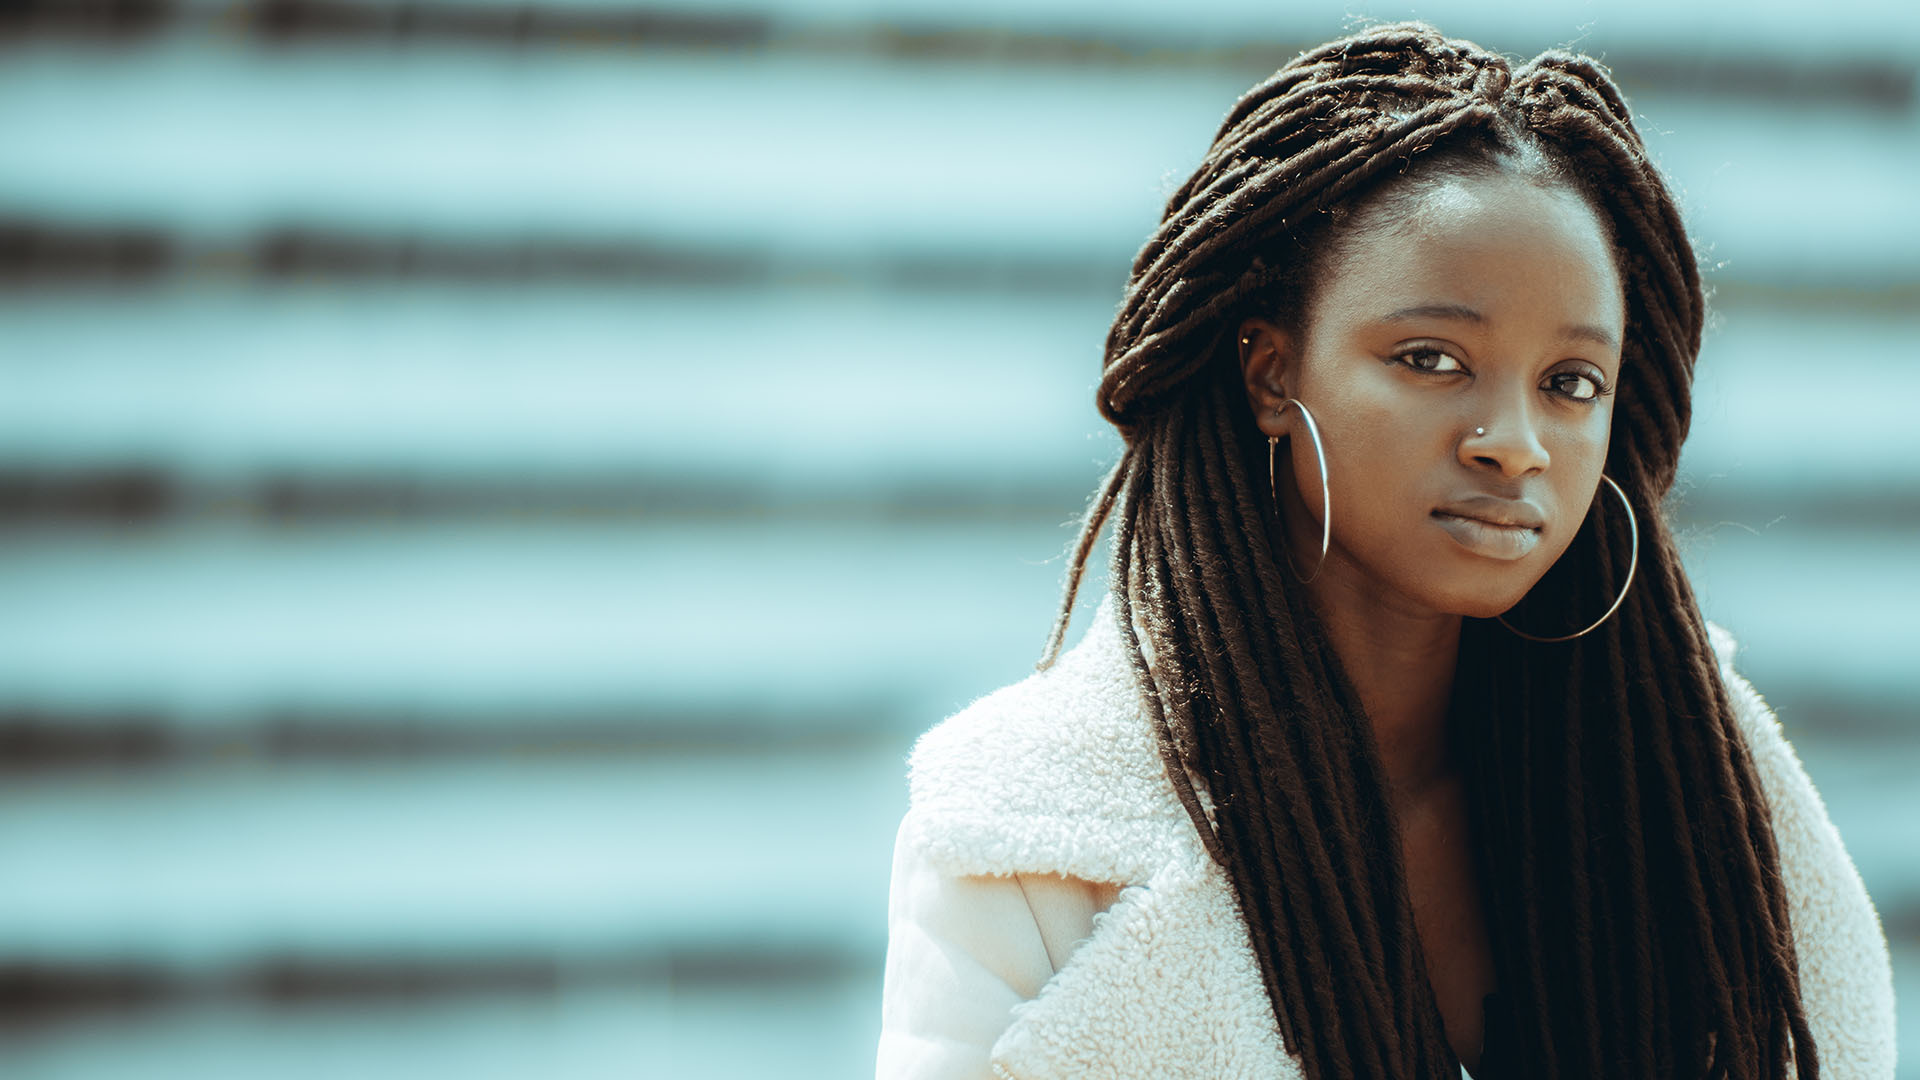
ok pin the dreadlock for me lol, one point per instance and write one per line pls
(1624, 838)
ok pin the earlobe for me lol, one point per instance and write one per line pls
(1266, 363)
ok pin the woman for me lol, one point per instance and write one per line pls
(1399, 747)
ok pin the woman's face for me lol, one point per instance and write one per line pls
(1494, 304)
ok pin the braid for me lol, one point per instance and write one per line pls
(1637, 797)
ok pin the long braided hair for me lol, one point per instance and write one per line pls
(1624, 840)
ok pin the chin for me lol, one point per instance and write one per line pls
(1484, 600)
(1489, 610)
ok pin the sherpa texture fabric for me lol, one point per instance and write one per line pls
(1006, 961)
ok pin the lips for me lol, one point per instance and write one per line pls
(1504, 529)
(1493, 510)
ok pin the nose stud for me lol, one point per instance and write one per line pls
(1479, 431)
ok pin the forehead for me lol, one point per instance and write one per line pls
(1514, 249)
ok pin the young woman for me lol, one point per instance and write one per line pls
(1399, 746)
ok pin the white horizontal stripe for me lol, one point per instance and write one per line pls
(785, 387)
(808, 392)
(583, 860)
(788, 153)
(219, 624)
(214, 623)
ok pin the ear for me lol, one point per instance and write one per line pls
(1268, 359)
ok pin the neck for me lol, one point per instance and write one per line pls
(1401, 662)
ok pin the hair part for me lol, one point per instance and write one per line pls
(1607, 777)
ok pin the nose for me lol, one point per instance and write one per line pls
(1507, 439)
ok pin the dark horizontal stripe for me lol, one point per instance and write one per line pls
(105, 19)
(129, 495)
(34, 253)
(317, 21)
(39, 994)
(135, 495)
(37, 254)
(41, 740)
(1876, 82)
(1823, 504)
(1901, 923)
(1812, 290)
(33, 498)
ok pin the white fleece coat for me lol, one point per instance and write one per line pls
(1053, 913)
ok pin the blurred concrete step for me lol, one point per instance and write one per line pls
(202, 870)
(217, 625)
(875, 156)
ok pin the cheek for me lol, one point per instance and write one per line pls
(1377, 449)
(1578, 461)
(1580, 446)
(1363, 417)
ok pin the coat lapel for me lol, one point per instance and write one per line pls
(1061, 773)
(1167, 986)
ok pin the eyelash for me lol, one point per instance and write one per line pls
(1600, 389)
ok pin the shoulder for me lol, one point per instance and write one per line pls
(1799, 814)
(1779, 766)
(1845, 968)
(1057, 773)
(1756, 719)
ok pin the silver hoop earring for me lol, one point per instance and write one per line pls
(1633, 562)
(1326, 496)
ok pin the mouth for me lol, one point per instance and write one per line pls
(1487, 538)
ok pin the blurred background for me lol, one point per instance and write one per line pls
(490, 492)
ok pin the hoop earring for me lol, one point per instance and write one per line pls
(1633, 562)
(1326, 496)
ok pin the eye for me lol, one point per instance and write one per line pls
(1578, 385)
(1429, 360)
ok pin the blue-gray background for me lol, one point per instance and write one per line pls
(489, 492)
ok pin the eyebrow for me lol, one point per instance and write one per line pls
(1463, 313)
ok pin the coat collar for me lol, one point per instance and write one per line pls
(1060, 772)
